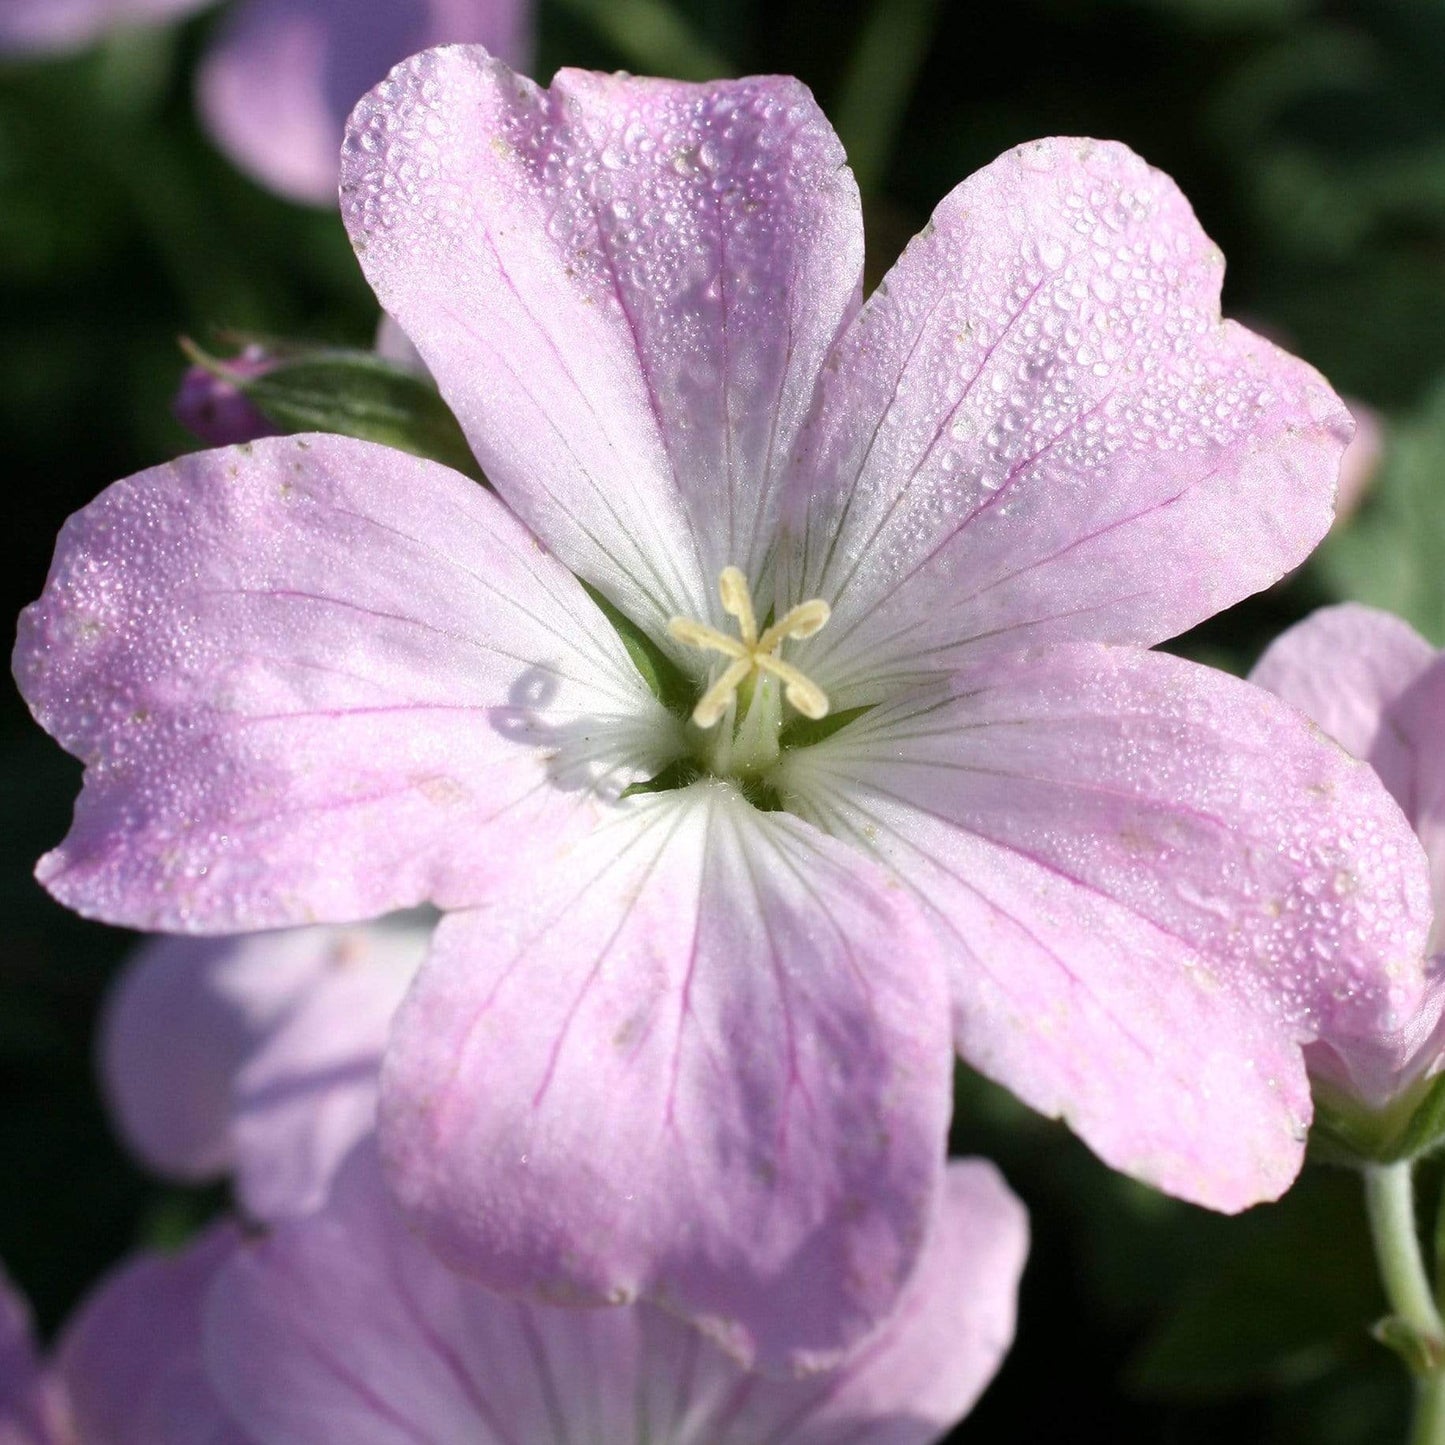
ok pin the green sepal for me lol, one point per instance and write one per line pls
(803, 732)
(354, 394)
(665, 680)
(1420, 1352)
(677, 774)
(1347, 1134)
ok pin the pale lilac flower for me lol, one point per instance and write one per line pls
(690, 1045)
(1361, 462)
(255, 1055)
(281, 76)
(215, 409)
(54, 25)
(341, 1329)
(1376, 686)
(128, 1369)
(32, 1407)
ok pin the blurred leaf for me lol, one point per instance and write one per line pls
(880, 76)
(1392, 553)
(1292, 1298)
(355, 394)
(653, 38)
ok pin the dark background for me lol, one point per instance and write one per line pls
(1311, 140)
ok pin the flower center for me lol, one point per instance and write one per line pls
(751, 655)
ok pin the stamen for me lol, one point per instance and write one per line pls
(751, 653)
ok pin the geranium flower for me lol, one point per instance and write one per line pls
(684, 1033)
(341, 1329)
(128, 1367)
(279, 79)
(255, 1056)
(1376, 686)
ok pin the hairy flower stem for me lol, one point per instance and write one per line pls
(1390, 1203)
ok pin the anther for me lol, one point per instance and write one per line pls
(748, 653)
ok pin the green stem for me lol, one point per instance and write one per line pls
(1428, 1424)
(1390, 1203)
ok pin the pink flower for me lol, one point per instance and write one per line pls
(341, 1329)
(255, 1055)
(691, 1043)
(1374, 684)
(32, 1407)
(281, 76)
(128, 1369)
(217, 410)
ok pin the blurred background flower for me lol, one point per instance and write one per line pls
(1310, 137)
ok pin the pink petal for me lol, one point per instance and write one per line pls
(31, 1407)
(308, 1094)
(216, 410)
(1361, 462)
(1346, 667)
(1156, 883)
(258, 1053)
(316, 679)
(131, 1359)
(40, 25)
(281, 79)
(1378, 688)
(624, 288)
(700, 1059)
(341, 1329)
(1038, 428)
(933, 1358)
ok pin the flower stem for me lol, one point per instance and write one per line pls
(1428, 1425)
(1390, 1203)
(1390, 1200)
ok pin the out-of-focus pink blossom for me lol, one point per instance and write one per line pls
(689, 1042)
(281, 76)
(1376, 686)
(128, 1369)
(426, 1355)
(255, 1055)
(1361, 460)
(32, 1405)
(56, 25)
(280, 80)
(216, 410)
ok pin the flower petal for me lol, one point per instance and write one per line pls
(1157, 883)
(1038, 429)
(258, 1053)
(308, 1094)
(130, 1360)
(1346, 667)
(701, 1058)
(31, 1410)
(624, 289)
(41, 25)
(341, 1329)
(314, 679)
(283, 75)
(1378, 688)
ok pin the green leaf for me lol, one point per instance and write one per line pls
(666, 681)
(652, 37)
(1291, 1295)
(354, 394)
(879, 81)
